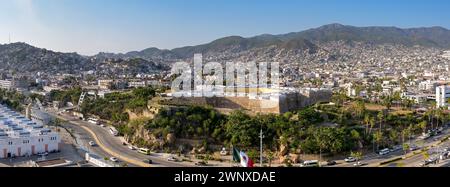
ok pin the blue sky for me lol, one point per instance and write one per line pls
(91, 26)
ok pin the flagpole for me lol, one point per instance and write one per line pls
(231, 150)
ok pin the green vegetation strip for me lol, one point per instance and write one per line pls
(390, 161)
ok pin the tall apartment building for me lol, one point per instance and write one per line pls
(442, 96)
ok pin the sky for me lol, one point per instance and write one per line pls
(91, 26)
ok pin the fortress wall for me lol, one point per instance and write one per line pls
(287, 102)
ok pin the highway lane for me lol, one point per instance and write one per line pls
(373, 160)
(83, 138)
(417, 159)
(114, 145)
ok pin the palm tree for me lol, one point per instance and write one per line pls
(356, 155)
(380, 118)
(372, 124)
(270, 156)
(405, 148)
(439, 116)
(378, 138)
(387, 101)
(393, 136)
(367, 122)
(321, 141)
(423, 126)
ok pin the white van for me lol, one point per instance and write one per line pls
(384, 152)
(310, 163)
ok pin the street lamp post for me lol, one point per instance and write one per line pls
(261, 136)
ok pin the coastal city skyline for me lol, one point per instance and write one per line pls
(196, 91)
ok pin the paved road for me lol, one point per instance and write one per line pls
(83, 138)
(113, 145)
(374, 160)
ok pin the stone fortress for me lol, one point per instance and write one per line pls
(255, 100)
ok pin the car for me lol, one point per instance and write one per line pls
(92, 143)
(102, 125)
(350, 159)
(310, 163)
(358, 164)
(397, 148)
(201, 163)
(131, 147)
(172, 159)
(43, 154)
(429, 161)
(413, 147)
(114, 159)
(148, 161)
(331, 163)
(384, 152)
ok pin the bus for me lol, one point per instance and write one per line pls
(144, 151)
(113, 131)
(310, 163)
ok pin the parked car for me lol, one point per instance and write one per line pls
(131, 147)
(397, 148)
(172, 159)
(350, 159)
(358, 164)
(114, 159)
(92, 143)
(43, 154)
(384, 152)
(201, 163)
(413, 148)
(331, 163)
(310, 163)
(148, 161)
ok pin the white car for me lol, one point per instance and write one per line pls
(102, 125)
(350, 159)
(131, 147)
(172, 159)
(114, 159)
(92, 143)
(43, 154)
(358, 164)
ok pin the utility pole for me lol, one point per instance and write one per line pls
(261, 136)
(9, 39)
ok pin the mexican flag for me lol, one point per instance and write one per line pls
(242, 158)
(245, 161)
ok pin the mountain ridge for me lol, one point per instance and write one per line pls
(22, 56)
(435, 36)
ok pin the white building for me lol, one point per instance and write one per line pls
(428, 85)
(137, 84)
(20, 136)
(442, 96)
(446, 54)
(6, 84)
(13, 84)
